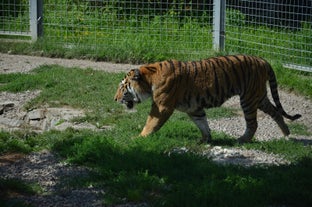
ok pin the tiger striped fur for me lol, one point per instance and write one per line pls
(192, 86)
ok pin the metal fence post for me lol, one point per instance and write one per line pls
(36, 19)
(218, 25)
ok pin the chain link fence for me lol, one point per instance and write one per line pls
(150, 29)
(275, 29)
(14, 17)
(182, 29)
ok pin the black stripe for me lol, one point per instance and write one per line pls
(171, 66)
(243, 103)
(216, 82)
(247, 71)
(236, 74)
(248, 63)
(179, 76)
(174, 74)
(246, 103)
(195, 69)
(180, 66)
(207, 68)
(187, 69)
(224, 88)
(201, 66)
(215, 101)
(228, 80)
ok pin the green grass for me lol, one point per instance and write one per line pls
(297, 81)
(11, 188)
(141, 170)
(17, 142)
(299, 129)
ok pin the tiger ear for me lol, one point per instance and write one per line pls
(137, 75)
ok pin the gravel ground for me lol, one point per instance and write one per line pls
(50, 171)
(267, 127)
(24, 63)
(53, 176)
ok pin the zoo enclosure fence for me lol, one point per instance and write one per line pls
(182, 29)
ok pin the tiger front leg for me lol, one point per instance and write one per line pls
(200, 119)
(156, 119)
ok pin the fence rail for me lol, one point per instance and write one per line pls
(182, 29)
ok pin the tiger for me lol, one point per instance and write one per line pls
(193, 86)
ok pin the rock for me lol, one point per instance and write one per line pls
(35, 124)
(42, 119)
(10, 122)
(36, 114)
(5, 106)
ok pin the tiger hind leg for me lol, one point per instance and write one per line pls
(250, 114)
(267, 107)
(200, 119)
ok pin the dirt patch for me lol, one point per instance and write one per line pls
(8, 159)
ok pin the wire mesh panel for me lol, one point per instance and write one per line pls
(14, 17)
(138, 30)
(275, 29)
(132, 29)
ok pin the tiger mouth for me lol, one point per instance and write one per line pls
(129, 104)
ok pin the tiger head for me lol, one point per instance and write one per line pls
(132, 89)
